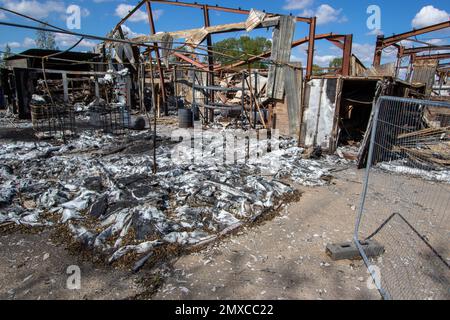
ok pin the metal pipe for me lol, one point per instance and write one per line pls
(312, 35)
(158, 59)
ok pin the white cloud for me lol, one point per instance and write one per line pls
(295, 58)
(12, 44)
(34, 8)
(364, 52)
(85, 12)
(435, 41)
(326, 14)
(297, 4)
(375, 32)
(130, 33)
(28, 43)
(2, 16)
(429, 15)
(123, 9)
(67, 40)
(323, 61)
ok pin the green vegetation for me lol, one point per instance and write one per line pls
(233, 49)
(5, 55)
(45, 39)
(336, 63)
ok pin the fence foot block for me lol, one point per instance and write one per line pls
(349, 251)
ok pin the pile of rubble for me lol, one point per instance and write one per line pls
(103, 191)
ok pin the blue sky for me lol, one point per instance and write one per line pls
(337, 16)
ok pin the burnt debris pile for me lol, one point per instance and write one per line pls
(101, 189)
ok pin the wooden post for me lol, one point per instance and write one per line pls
(210, 61)
(158, 58)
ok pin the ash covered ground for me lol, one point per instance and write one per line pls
(100, 190)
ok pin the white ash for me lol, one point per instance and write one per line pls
(401, 167)
(183, 204)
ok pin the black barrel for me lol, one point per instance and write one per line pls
(185, 119)
(196, 113)
(2, 99)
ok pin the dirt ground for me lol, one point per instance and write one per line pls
(283, 258)
(280, 259)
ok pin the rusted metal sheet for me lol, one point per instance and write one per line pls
(166, 48)
(384, 70)
(283, 36)
(425, 72)
(293, 88)
(357, 67)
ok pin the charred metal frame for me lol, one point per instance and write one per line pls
(343, 42)
(206, 8)
(383, 42)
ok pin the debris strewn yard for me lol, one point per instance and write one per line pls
(169, 165)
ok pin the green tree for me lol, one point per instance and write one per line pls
(317, 70)
(232, 50)
(336, 63)
(5, 55)
(45, 39)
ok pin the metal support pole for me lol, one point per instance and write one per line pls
(399, 60)
(194, 103)
(97, 89)
(65, 87)
(242, 96)
(158, 58)
(155, 166)
(256, 98)
(210, 61)
(175, 89)
(378, 51)
(312, 35)
(347, 55)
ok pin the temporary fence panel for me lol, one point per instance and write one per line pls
(405, 199)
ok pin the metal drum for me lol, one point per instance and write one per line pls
(185, 119)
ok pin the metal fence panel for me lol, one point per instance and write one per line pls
(405, 199)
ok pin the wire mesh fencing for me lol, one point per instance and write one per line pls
(62, 122)
(51, 121)
(113, 119)
(405, 200)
